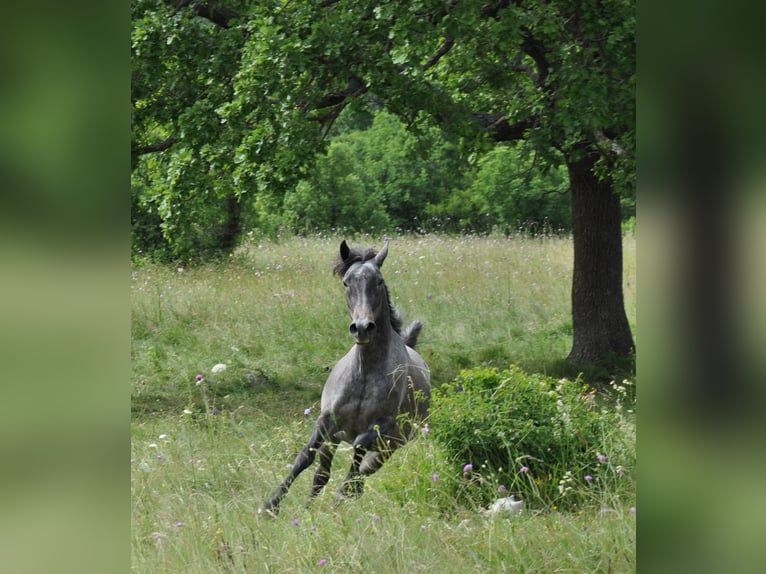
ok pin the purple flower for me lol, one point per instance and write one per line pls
(376, 518)
(199, 377)
(501, 488)
(467, 468)
(524, 470)
(296, 522)
(358, 521)
(601, 458)
(323, 561)
(179, 524)
(588, 477)
(435, 477)
(632, 510)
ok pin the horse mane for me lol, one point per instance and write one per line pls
(360, 255)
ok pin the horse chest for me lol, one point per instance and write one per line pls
(356, 395)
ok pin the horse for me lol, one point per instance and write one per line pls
(376, 395)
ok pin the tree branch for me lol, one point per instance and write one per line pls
(446, 46)
(500, 130)
(355, 87)
(152, 148)
(209, 10)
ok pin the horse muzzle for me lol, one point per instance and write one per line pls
(362, 330)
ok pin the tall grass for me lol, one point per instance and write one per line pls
(206, 453)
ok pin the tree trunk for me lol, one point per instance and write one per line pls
(600, 325)
(233, 224)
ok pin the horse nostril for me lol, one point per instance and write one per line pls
(371, 327)
(353, 328)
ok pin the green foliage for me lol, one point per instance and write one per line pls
(544, 438)
(335, 197)
(233, 106)
(510, 192)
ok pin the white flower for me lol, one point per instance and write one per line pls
(219, 368)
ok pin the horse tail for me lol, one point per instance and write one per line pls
(411, 333)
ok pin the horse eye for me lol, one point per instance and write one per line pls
(345, 284)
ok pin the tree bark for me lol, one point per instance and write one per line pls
(600, 325)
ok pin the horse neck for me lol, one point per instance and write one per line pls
(379, 349)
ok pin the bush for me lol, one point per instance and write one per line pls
(544, 439)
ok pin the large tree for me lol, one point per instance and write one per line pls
(245, 93)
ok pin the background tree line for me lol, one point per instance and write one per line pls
(374, 175)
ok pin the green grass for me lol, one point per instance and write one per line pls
(276, 316)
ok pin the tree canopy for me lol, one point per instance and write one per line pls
(234, 102)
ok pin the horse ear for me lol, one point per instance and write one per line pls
(381, 257)
(344, 250)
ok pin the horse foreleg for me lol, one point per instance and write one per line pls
(353, 484)
(379, 439)
(304, 459)
(322, 475)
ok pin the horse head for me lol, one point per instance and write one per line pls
(366, 292)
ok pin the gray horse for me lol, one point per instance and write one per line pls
(375, 392)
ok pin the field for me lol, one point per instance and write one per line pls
(206, 453)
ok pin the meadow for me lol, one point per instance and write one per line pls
(207, 448)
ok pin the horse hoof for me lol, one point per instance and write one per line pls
(270, 512)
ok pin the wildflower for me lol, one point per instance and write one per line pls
(199, 377)
(323, 561)
(376, 518)
(467, 468)
(632, 510)
(218, 368)
(601, 458)
(501, 488)
(179, 524)
(423, 527)
(435, 477)
(358, 521)
(524, 470)
(307, 412)
(425, 430)
(588, 477)
(296, 522)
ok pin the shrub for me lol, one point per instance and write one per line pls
(544, 439)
